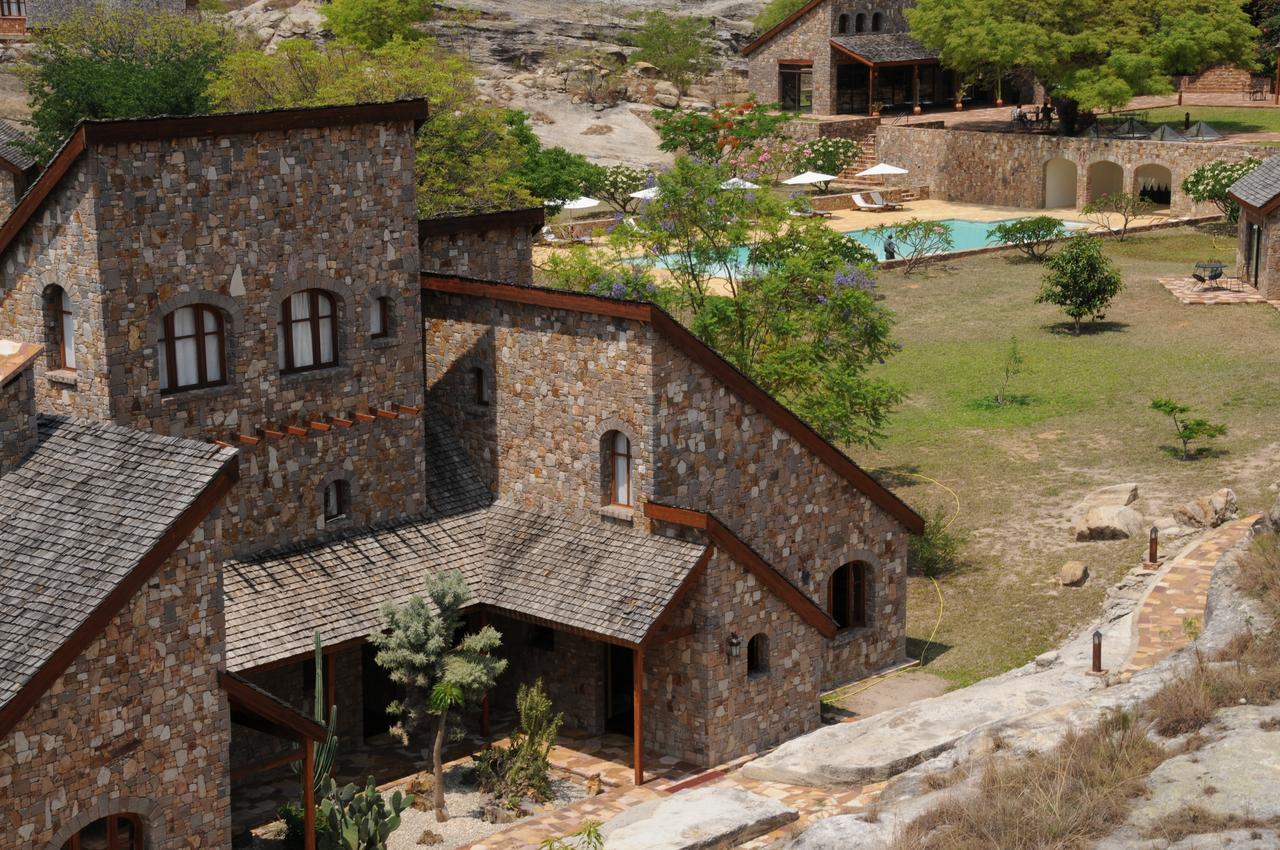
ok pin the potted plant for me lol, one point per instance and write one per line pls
(875, 109)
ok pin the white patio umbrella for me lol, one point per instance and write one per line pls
(579, 203)
(881, 169)
(646, 194)
(809, 178)
(738, 183)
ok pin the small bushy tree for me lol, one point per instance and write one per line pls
(580, 268)
(372, 23)
(1211, 181)
(719, 133)
(616, 184)
(774, 13)
(918, 240)
(1032, 236)
(1188, 429)
(439, 676)
(551, 174)
(118, 63)
(937, 551)
(829, 155)
(1081, 280)
(1122, 206)
(1014, 363)
(681, 47)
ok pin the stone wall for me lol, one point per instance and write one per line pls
(8, 191)
(572, 670)
(718, 453)
(247, 221)
(496, 246)
(1267, 276)
(855, 127)
(1009, 169)
(1220, 79)
(136, 724)
(806, 39)
(18, 424)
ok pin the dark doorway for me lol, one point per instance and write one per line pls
(379, 692)
(619, 705)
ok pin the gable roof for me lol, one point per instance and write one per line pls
(695, 349)
(89, 133)
(85, 519)
(777, 28)
(12, 155)
(1259, 188)
(884, 48)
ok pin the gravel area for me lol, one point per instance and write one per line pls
(465, 804)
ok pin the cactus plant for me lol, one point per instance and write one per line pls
(358, 819)
(327, 750)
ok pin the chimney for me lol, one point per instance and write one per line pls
(18, 431)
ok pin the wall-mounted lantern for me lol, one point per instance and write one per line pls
(735, 645)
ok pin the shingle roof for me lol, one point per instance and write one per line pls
(76, 517)
(10, 139)
(1260, 186)
(881, 47)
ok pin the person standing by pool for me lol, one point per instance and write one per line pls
(890, 249)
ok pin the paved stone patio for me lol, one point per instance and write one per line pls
(1188, 290)
(1178, 597)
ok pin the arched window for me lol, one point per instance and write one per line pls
(60, 319)
(307, 335)
(860, 23)
(337, 500)
(847, 595)
(193, 349)
(758, 654)
(380, 317)
(617, 451)
(842, 24)
(876, 21)
(114, 832)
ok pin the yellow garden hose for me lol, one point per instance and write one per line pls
(924, 653)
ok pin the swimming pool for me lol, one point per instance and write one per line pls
(966, 234)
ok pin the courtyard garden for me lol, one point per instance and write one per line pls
(1077, 416)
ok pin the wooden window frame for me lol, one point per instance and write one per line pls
(13, 9)
(287, 322)
(614, 454)
(383, 305)
(170, 343)
(113, 837)
(856, 598)
(57, 299)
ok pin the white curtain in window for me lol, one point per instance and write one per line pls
(621, 469)
(375, 318)
(325, 313)
(300, 308)
(184, 347)
(68, 332)
(212, 356)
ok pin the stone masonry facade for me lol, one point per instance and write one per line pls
(1267, 276)
(18, 434)
(1009, 169)
(486, 246)
(240, 223)
(137, 724)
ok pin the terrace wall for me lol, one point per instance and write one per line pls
(1008, 169)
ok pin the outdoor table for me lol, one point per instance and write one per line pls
(1207, 273)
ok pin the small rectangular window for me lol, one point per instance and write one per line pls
(479, 386)
(380, 318)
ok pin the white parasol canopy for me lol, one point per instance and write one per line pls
(809, 178)
(580, 203)
(738, 183)
(881, 169)
(646, 194)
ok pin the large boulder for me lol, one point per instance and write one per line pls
(1108, 522)
(843, 832)
(1073, 573)
(1113, 496)
(700, 819)
(1208, 511)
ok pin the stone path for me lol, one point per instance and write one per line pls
(1178, 597)
(1232, 291)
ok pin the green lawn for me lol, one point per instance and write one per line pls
(1225, 119)
(1083, 421)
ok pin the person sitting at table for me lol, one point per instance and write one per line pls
(1046, 113)
(1017, 117)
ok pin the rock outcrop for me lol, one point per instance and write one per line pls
(1208, 511)
(1105, 514)
(699, 819)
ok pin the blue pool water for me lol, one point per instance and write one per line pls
(966, 235)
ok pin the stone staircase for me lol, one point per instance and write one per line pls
(866, 159)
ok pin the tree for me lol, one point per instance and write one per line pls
(1187, 429)
(439, 677)
(917, 240)
(1094, 55)
(1013, 365)
(1211, 181)
(1081, 280)
(774, 13)
(1032, 236)
(616, 184)
(551, 174)
(118, 63)
(718, 133)
(1125, 206)
(786, 300)
(467, 155)
(372, 23)
(828, 155)
(681, 47)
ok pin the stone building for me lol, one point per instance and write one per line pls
(842, 57)
(679, 557)
(1258, 245)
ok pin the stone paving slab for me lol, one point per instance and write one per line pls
(1177, 599)
(1228, 291)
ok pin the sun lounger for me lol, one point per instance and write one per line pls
(877, 199)
(861, 203)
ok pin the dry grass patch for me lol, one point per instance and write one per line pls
(1066, 798)
(1196, 820)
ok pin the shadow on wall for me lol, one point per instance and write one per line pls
(466, 398)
